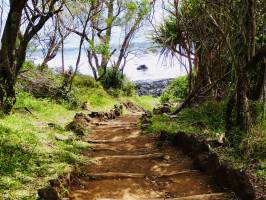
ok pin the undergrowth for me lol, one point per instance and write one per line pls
(176, 91)
(207, 120)
(30, 155)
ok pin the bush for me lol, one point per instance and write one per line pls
(112, 79)
(128, 88)
(176, 90)
(82, 81)
(29, 65)
(115, 92)
(63, 95)
(117, 84)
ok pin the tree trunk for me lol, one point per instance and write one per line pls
(107, 37)
(63, 56)
(8, 67)
(242, 106)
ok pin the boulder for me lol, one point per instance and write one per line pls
(142, 67)
(80, 125)
(132, 107)
(109, 115)
(118, 110)
(63, 138)
(48, 193)
(164, 109)
(145, 120)
(96, 114)
(84, 106)
(152, 87)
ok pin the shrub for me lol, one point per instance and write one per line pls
(29, 65)
(112, 79)
(176, 90)
(114, 92)
(82, 81)
(117, 84)
(63, 95)
(128, 88)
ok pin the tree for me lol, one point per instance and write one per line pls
(227, 40)
(51, 38)
(124, 16)
(32, 15)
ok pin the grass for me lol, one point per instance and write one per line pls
(146, 102)
(207, 120)
(30, 155)
(87, 90)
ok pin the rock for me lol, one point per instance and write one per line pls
(109, 115)
(96, 114)
(80, 124)
(132, 107)
(38, 85)
(152, 88)
(118, 110)
(164, 109)
(216, 142)
(142, 67)
(145, 120)
(48, 193)
(84, 106)
(63, 138)
(55, 126)
(82, 116)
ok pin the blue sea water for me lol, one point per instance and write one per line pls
(159, 67)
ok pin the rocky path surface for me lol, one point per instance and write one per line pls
(129, 166)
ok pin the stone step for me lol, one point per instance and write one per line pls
(154, 156)
(213, 196)
(117, 175)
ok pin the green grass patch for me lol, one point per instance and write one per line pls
(86, 89)
(146, 102)
(176, 91)
(29, 153)
(207, 120)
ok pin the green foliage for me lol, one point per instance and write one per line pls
(82, 81)
(146, 102)
(128, 88)
(29, 65)
(116, 84)
(167, 35)
(261, 172)
(207, 121)
(208, 118)
(15, 153)
(29, 153)
(116, 93)
(112, 79)
(177, 90)
(67, 97)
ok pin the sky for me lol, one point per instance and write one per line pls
(159, 67)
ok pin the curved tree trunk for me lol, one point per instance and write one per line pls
(8, 56)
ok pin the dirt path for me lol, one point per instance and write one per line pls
(129, 166)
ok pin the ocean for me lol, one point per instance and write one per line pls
(159, 67)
